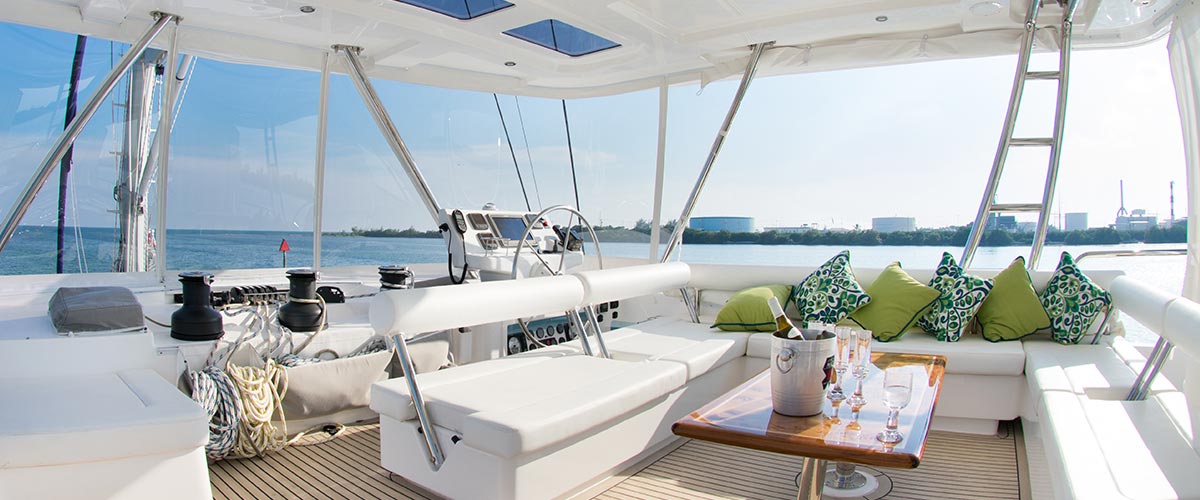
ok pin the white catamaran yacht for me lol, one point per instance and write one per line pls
(535, 367)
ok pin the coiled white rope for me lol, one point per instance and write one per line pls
(261, 391)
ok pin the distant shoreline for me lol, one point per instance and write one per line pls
(951, 236)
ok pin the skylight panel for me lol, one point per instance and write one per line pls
(562, 38)
(460, 9)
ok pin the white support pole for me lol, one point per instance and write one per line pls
(660, 168)
(167, 111)
(319, 179)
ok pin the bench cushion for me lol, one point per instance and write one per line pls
(1096, 371)
(970, 355)
(1122, 449)
(694, 345)
(517, 405)
(91, 418)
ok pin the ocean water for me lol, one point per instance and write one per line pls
(32, 251)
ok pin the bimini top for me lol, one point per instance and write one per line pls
(580, 48)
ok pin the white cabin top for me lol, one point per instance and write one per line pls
(657, 41)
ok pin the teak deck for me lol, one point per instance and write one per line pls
(955, 467)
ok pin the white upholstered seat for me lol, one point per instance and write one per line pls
(1096, 371)
(1118, 449)
(517, 405)
(128, 434)
(58, 420)
(696, 346)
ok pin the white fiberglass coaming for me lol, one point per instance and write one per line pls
(670, 41)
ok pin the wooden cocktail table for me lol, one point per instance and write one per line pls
(743, 417)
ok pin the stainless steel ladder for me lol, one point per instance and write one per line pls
(988, 205)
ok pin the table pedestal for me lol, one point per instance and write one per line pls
(844, 480)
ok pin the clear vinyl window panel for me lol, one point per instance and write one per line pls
(34, 85)
(242, 168)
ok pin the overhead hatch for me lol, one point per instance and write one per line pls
(460, 9)
(562, 38)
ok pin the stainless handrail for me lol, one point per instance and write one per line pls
(1148, 252)
(432, 447)
(1158, 356)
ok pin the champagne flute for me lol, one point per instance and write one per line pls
(897, 390)
(861, 365)
(842, 361)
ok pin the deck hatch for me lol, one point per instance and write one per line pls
(562, 38)
(460, 9)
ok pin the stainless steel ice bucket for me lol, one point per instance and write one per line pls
(801, 371)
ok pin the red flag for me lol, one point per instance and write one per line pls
(283, 246)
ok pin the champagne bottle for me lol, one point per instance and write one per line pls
(782, 323)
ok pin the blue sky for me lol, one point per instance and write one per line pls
(834, 149)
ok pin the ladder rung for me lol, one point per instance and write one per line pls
(1031, 141)
(1016, 207)
(1043, 75)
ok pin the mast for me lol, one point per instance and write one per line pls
(64, 165)
(135, 159)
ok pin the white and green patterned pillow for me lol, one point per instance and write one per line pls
(1072, 301)
(961, 297)
(830, 293)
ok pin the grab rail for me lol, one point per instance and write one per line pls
(1148, 252)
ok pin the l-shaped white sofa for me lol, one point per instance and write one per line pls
(552, 421)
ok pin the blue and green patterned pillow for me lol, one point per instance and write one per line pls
(830, 293)
(1072, 301)
(961, 297)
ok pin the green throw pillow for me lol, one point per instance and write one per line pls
(961, 296)
(830, 293)
(747, 310)
(1072, 301)
(897, 300)
(1012, 309)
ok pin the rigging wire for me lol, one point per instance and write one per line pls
(511, 152)
(571, 154)
(528, 156)
(80, 251)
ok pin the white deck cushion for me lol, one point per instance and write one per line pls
(516, 405)
(1095, 371)
(695, 345)
(74, 419)
(970, 355)
(1134, 444)
(605, 285)
(439, 308)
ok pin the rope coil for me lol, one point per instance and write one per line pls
(243, 402)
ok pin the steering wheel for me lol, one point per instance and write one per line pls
(553, 272)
